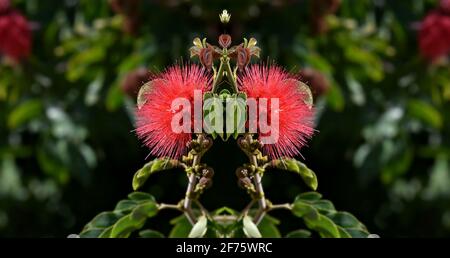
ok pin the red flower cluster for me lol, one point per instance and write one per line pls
(15, 33)
(434, 35)
(295, 114)
(154, 118)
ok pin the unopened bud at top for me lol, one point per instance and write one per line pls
(224, 17)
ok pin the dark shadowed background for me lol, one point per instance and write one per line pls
(67, 147)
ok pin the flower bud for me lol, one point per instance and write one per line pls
(245, 182)
(205, 182)
(225, 40)
(243, 57)
(208, 172)
(241, 172)
(206, 57)
(224, 17)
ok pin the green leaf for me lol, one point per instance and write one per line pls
(125, 226)
(303, 209)
(91, 233)
(267, 227)
(293, 165)
(103, 220)
(200, 228)
(323, 225)
(250, 228)
(357, 233)
(426, 113)
(140, 196)
(129, 215)
(308, 176)
(144, 211)
(149, 233)
(182, 227)
(324, 206)
(125, 206)
(106, 232)
(309, 196)
(343, 233)
(321, 216)
(156, 165)
(299, 233)
(345, 219)
(24, 113)
(212, 118)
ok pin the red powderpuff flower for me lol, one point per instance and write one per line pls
(295, 114)
(154, 118)
(434, 35)
(15, 35)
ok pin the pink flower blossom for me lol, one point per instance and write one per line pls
(295, 114)
(155, 116)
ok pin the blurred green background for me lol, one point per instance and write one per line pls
(68, 151)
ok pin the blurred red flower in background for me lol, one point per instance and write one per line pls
(295, 114)
(134, 80)
(4, 5)
(318, 83)
(434, 35)
(15, 33)
(444, 5)
(154, 117)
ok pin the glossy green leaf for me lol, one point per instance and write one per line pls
(125, 206)
(140, 196)
(156, 165)
(250, 228)
(199, 229)
(324, 226)
(302, 209)
(144, 211)
(125, 226)
(321, 216)
(181, 229)
(103, 220)
(300, 233)
(149, 233)
(267, 227)
(293, 165)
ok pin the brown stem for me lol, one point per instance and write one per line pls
(163, 206)
(188, 200)
(286, 206)
(259, 189)
(259, 216)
